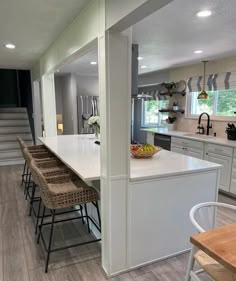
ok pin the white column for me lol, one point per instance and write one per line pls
(37, 111)
(115, 105)
(49, 105)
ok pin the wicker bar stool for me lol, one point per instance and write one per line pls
(61, 192)
(49, 167)
(39, 156)
(32, 148)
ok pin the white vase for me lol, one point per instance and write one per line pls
(171, 127)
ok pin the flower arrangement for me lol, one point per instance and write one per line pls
(95, 122)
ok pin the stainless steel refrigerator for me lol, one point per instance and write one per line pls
(87, 106)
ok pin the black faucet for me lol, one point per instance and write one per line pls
(209, 126)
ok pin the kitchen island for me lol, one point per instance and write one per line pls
(160, 191)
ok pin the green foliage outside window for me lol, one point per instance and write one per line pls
(226, 105)
(151, 115)
(219, 103)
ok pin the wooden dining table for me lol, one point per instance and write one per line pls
(220, 244)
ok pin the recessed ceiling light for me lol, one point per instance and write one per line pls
(93, 62)
(140, 58)
(198, 52)
(143, 66)
(204, 13)
(10, 46)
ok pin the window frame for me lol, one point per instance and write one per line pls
(150, 125)
(189, 115)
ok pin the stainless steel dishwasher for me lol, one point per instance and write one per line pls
(163, 141)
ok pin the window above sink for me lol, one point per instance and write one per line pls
(220, 105)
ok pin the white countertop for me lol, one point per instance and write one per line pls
(82, 155)
(203, 138)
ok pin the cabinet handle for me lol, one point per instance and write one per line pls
(206, 153)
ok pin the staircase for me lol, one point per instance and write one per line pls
(13, 122)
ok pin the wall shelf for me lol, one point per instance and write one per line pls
(172, 110)
(172, 94)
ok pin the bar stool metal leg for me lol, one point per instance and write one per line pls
(98, 212)
(87, 219)
(50, 241)
(23, 175)
(26, 180)
(32, 198)
(38, 214)
(28, 186)
(41, 224)
(81, 213)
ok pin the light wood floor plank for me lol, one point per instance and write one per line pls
(147, 277)
(38, 274)
(122, 277)
(69, 273)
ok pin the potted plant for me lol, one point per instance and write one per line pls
(169, 86)
(175, 105)
(231, 131)
(170, 123)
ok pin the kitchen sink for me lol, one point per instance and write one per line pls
(199, 136)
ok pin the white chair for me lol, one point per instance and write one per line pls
(202, 217)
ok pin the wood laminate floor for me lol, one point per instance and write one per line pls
(21, 259)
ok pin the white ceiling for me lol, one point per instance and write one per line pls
(169, 36)
(32, 25)
(82, 65)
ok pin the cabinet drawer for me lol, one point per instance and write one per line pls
(219, 149)
(187, 143)
(177, 149)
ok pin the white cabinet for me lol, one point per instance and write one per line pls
(195, 153)
(177, 149)
(187, 147)
(221, 155)
(233, 175)
(150, 138)
(225, 172)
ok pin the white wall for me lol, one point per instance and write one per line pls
(153, 77)
(87, 85)
(67, 88)
(58, 94)
(82, 31)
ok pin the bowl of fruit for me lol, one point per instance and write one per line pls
(143, 150)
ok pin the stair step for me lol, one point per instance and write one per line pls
(14, 161)
(14, 123)
(12, 145)
(13, 109)
(12, 137)
(10, 154)
(14, 116)
(15, 130)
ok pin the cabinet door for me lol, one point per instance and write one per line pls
(225, 173)
(150, 138)
(233, 177)
(233, 186)
(195, 153)
(178, 149)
